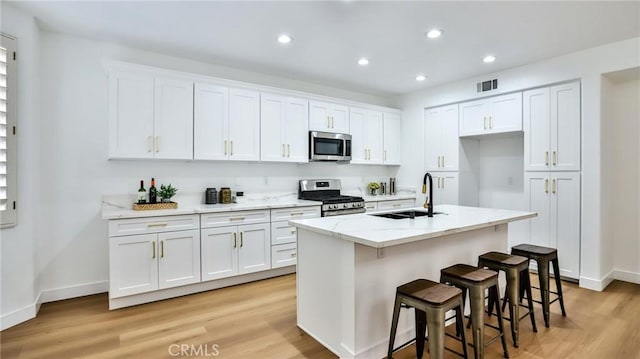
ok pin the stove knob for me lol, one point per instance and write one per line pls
(346, 205)
(335, 206)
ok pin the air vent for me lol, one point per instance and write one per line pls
(486, 86)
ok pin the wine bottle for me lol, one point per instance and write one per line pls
(153, 192)
(142, 193)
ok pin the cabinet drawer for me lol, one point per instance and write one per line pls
(284, 255)
(233, 218)
(371, 206)
(389, 205)
(282, 232)
(126, 227)
(286, 214)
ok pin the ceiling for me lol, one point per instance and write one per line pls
(329, 37)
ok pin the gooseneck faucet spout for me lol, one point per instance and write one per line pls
(428, 203)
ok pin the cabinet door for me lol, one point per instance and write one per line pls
(356, 129)
(210, 122)
(297, 130)
(565, 127)
(450, 139)
(473, 118)
(244, 125)
(179, 258)
(173, 119)
(339, 118)
(371, 206)
(565, 221)
(272, 123)
(130, 116)
(449, 188)
(537, 191)
(255, 248)
(433, 138)
(133, 265)
(395, 204)
(373, 135)
(219, 252)
(536, 129)
(284, 255)
(391, 138)
(319, 116)
(505, 113)
(282, 233)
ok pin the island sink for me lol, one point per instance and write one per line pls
(412, 214)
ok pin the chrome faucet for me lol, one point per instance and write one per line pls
(428, 202)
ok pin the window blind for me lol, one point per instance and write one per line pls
(7, 135)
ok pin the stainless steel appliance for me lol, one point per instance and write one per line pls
(328, 146)
(327, 191)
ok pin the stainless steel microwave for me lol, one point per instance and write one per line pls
(328, 146)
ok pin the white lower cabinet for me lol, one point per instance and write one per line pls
(284, 236)
(147, 262)
(396, 204)
(371, 206)
(233, 250)
(555, 196)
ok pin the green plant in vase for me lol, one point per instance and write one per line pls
(373, 187)
(166, 192)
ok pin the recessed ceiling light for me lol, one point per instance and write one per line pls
(284, 39)
(434, 33)
(489, 58)
(421, 78)
(363, 61)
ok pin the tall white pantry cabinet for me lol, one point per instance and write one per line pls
(442, 152)
(551, 120)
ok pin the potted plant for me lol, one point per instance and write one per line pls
(373, 187)
(166, 192)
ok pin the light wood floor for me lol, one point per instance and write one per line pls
(258, 320)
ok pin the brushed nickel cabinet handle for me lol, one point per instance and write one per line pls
(288, 150)
(328, 121)
(294, 254)
(385, 155)
(157, 144)
(490, 122)
(553, 186)
(235, 243)
(231, 147)
(484, 118)
(333, 122)
(554, 158)
(156, 225)
(161, 249)
(283, 150)
(442, 182)
(241, 240)
(150, 144)
(153, 250)
(442, 161)
(236, 218)
(546, 158)
(297, 213)
(225, 147)
(546, 186)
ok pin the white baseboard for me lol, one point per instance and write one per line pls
(597, 284)
(18, 316)
(74, 291)
(627, 276)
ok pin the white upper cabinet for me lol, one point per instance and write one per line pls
(552, 128)
(150, 117)
(441, 138)
(328, 117)
(210, 122)
(366, 136)
(284, 128)
(244, 125)
(491, 115)
(226, 123)
(173, 120)
(392, 132)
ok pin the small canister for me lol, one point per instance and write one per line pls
(211, 196)
(225, 195)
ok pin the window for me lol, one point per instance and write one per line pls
(8, 180)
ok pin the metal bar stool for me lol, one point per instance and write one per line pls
(431, 301)
(544, 255)
(516, 269)
(476, 281)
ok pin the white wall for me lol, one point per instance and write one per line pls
(621, 180)
(18, 277)
(59, 247)
(587, 65)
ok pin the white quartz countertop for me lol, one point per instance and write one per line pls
(119, 211)
(381, 232)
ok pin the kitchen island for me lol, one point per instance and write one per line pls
(349, 267)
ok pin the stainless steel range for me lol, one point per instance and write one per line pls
(328, 192)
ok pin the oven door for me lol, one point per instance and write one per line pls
(328, 146)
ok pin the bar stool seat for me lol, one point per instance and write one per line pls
(431, 301)
(516, 269)
(476, 281)
(543, 256)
